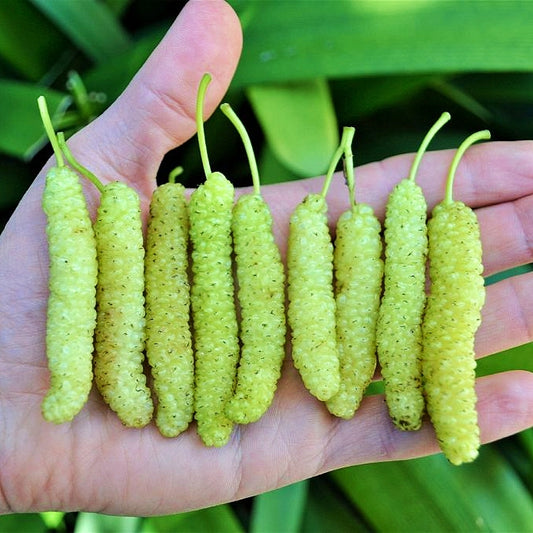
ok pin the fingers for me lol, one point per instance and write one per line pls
(507, 234)
(321, 443)
(496, 178)
(507, 317)
(156, 112)
(505, 407)
(489, 173)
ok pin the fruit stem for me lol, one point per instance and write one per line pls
(348, 164)
(49, 129)
(77, 166)
(79, 93)
(347, 136)
(445, 117)
(469, 141)
(173, 174)
(239, 126)
(202, 89)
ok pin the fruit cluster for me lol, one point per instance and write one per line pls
(116, 299)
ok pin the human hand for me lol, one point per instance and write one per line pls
(96, 464)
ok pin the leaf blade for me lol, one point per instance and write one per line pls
(299, 123)
(91, 25)
(362, 38)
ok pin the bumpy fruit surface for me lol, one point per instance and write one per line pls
(452, 317)
(262, 304)
(119, 338)
(311, 312)
(399, 335)
(213, 307)
(71, 315)
(358, 276)
(168, 335)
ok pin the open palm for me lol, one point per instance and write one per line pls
(96, 464)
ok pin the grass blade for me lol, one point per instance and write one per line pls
(299, 122)
(100, 523)
(430, 495)
(90, 25)
(368, 38)
(29, 53)
(220, 518)
(280, 510)
(21, 130)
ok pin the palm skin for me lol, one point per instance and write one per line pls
(94, 463)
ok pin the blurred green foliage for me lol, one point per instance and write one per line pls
(388, 67)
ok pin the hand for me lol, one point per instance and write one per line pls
(96, 464)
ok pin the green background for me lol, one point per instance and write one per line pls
(308, 68)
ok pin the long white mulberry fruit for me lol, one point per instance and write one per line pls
(311, 310)
(452, 317)
(358, 276)
(216, 341)
(261, 297)
(399, 335)
(213, 307)
(71, 315)
(120, 336)
(167, 291)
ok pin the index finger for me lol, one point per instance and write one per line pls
(490, 174)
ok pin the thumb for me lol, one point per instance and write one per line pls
(156, 112)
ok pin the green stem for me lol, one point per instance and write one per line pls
(239, 126)
(348, 164)
(202, 89)
(77, 166)
(79, 93)
(445, 117)
(347, 136)
(49, 128)
(178, 171)
(469, 141)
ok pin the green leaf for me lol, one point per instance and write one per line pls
(508, 87)
(30, 53)
(21, 130)
(53, 519)
(299, 123)
(429, 494)
(359, 97)
(112, 76)
(118, 6)
(220, 518)
(18, 523)
(327, 510)
(15, 178)
(517, 358)
(347, 38)
(100, 523)
(90, 24)
(515, 271)
(272, 170)
(280, 510)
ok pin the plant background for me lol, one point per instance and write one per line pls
(309, 67)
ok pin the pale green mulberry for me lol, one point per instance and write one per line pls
(311, 311)
(261, 297)
(167, 291)
(452, 317)
(358, 275)
(119, 338)
(216, 341)
(399, 334)
(71, 315)
(262, 305)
